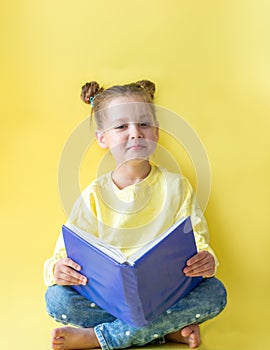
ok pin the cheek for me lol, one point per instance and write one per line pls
(153, 136)
(116, 144)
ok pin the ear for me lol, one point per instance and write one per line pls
(101, 139)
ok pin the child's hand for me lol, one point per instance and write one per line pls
(65, 273)
(201, 264)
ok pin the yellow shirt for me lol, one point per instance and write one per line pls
(131, 217)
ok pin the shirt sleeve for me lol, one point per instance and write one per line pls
(59, 253)
(83, 217)
(190, 207)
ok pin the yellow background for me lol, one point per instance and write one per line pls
(210, 61)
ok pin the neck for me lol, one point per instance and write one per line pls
(131, 172)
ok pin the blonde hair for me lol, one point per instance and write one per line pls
(98, 97)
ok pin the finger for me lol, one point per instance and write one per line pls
(202, 270)
(80, 278)
(63, 282)
(71, 276)
(65, 271)
(196, 265)
(201, 274)
(71, 263)
(198, 257)
(208, 261)
(63, 279)
(75, 277)
(70, 268)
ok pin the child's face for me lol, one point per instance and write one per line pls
(130, 131)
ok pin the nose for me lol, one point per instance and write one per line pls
(135, 131)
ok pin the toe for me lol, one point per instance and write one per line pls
(185, 332)
(57, 333)
(57, 341)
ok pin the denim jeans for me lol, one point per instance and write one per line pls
(65, 305)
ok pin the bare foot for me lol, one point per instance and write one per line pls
(67, 338)
(188, 335)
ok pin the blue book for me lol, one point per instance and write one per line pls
(136, 290)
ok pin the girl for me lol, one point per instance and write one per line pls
(129, 207)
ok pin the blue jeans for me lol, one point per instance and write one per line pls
(65, 305)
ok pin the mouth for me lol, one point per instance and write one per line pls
(136, 146)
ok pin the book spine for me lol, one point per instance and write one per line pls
(135, 315)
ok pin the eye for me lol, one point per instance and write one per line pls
(121, 127)
(145, 125)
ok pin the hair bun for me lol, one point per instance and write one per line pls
(148, 86)
(90, 90)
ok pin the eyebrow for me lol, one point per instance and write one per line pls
(122, 120)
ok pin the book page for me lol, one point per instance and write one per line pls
(115, 253)
(106, 248)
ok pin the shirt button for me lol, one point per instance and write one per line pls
(169, 312)
(198, 315)
(127, 333)
(156, 335)
(92, 304)
(64, 317)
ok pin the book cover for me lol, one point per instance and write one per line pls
(139, 289)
